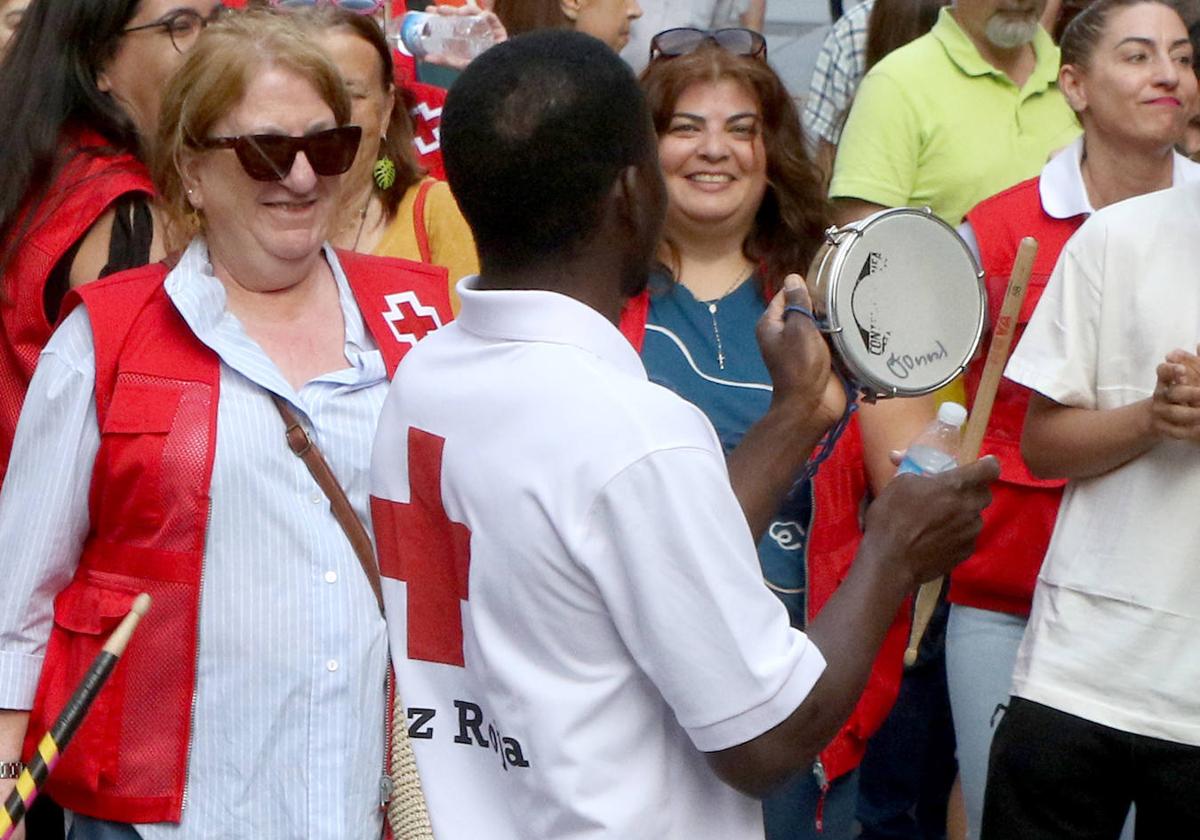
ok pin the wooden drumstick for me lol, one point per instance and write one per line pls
(55, 741)
(981, 412)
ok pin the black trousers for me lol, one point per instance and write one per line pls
(1054, 776)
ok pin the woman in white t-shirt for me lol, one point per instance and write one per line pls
(1126, 73)
(1104, 711)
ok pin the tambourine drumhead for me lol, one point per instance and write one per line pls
(904, 300)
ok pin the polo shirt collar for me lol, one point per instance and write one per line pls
(962, 51)
(544, 317)
(1061, 187)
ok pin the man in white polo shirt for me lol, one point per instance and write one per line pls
(577, 617)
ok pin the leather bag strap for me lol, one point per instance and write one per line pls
(419, 227)
(304, 448)
(406, 809)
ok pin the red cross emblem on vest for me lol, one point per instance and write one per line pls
(408, 318)
(427, 135)
(419, 545)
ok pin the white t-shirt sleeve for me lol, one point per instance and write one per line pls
(674, 561)
(1057, 354)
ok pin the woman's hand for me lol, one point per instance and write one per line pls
(484, 9)
(797, 357)
(1175, 406)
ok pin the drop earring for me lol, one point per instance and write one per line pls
(384, 173)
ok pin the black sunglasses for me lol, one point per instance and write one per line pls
(269, 157)
(183, 25)
(672, 43)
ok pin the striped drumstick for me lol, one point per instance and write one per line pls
(55, 741)
(981, 411)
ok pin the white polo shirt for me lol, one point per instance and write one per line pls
(1114, 636)
(575, 523)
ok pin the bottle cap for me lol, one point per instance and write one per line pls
(952, 414)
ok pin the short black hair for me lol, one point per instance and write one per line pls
(534, 134)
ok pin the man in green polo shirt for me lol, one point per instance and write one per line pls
(956, 116)
(952, 118)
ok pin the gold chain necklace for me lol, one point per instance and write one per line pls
(712, 313)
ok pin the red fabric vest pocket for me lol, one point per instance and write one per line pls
(134, 434)
(85, 613)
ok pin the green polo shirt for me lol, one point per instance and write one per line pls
(936, 125)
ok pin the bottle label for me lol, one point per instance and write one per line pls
(925, 460)
(412, 28)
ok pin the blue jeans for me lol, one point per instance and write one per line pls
(791, 812)
(86, 828)
(981, 652)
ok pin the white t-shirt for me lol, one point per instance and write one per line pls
(613, 617)
(1114, 636)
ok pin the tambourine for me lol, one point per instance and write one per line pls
(902, 300)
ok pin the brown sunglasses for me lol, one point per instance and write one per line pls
(270, 157)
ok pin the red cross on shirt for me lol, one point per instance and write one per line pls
(419, 544)
(408, 319)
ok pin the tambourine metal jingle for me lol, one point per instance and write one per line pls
(903, 301)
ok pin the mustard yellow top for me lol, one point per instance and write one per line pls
(450, 241)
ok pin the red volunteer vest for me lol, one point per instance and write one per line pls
(838, 490)
(157, 389)
(1017, 525)
(86, 185)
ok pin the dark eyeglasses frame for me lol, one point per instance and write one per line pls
(270, 157)
(743, 42)
(167, 22)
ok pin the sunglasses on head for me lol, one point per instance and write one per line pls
(269, 157)
(672, 43)
(359, 7)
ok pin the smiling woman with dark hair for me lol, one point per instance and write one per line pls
(79, 90)
(747, 208)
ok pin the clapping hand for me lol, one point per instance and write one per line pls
(1175, 406)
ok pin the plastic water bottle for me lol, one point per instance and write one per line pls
(458, 37)
(936, 448)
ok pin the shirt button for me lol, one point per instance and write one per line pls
(331, 665)
(331, 576)
(316, 498)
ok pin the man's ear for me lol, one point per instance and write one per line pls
(1070, 82)
(626, 194)
(571, 8)
(103, 83)
(640, 200)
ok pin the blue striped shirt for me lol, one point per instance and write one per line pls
(288, 728)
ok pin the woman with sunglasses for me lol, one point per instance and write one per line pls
(607, 20)
(79, 89)
(746, 208)
(388, 208)
(155, 457)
